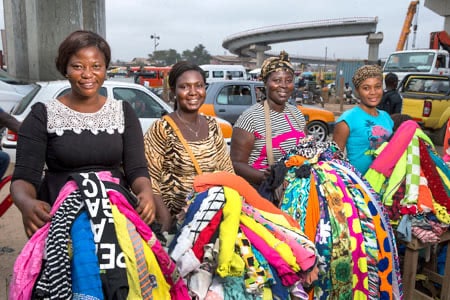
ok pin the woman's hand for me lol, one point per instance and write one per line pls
(146, 207)
(312, 276)
(35, 215)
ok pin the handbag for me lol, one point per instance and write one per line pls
(183, 141)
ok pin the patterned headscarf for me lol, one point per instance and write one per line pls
(274, 64)
(364, 72)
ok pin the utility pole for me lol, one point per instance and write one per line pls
(155, 38)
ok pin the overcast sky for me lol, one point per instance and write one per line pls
(184, 24)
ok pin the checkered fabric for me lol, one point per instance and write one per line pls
(412, 172)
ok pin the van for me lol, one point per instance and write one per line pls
(221, 72)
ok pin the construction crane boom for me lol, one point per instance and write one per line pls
(412, 8)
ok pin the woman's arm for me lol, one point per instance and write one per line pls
(223, 160)
(241, 146)
(142, 188)
(154, 145)
(340, 134)
(35, 213)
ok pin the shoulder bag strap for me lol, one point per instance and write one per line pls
(183, 141)
(294, 115)
(269, 149)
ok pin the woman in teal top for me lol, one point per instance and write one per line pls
(361, 130)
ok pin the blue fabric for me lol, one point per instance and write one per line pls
(86, 282)
(367, 133)
(193, 208)
(279, 291)
(404, 229)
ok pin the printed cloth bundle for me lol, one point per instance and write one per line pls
(343, 215)
(414, 182)
(95, 247)
(234, 244)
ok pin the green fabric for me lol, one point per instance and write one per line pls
(412, 172)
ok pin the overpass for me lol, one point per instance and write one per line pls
(253, 43)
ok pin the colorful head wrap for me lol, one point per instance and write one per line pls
(274, 64)
(364, 72)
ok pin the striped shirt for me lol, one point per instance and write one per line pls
(286, 132)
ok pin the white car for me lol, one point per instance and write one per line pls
(147, 105)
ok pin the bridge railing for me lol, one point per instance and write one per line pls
(306, 24)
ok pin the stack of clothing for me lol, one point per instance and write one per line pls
(344, 216)
(414, 182)
(95, 247)
(234, 244)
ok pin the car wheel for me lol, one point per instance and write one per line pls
(318, 129)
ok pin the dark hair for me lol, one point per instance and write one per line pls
(391, 79)
(179, 68)
(78, 40)
(399, 119)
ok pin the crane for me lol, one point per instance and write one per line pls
(412, 9)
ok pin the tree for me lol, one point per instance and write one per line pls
(165, 57)
(198, 56)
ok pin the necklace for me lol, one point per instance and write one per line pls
(187, 125)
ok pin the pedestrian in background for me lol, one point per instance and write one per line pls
(362, 129)
(8, 121)
(392, 100)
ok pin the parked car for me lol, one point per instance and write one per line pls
(426, 98)
(147, 105)
(227, 99)
(12, 90)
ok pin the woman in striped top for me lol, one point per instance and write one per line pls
(284, 123)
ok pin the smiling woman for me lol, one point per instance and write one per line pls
(90, 144)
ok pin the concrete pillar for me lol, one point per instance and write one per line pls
(260, 56)
(34, 30)
(374, 40)
(442, 8)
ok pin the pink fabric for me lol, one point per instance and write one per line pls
(276, 144)
(303, 256)
(386, 160)
(29, 262)
(287, 275)
(179, 289)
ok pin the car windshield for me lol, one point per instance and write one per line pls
(5, 77)
(433, 85)
(23, 104)
(409, 62)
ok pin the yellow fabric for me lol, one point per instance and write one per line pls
(230, 263)
(162, 290)
(120, 224)
(281, 247)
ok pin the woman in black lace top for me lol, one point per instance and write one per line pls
(81, 131)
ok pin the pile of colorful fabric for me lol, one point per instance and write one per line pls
(414, 182)
(234, 244)
(95, 247)
(341, 213)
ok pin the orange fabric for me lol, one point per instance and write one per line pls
(206, 180)
(312, 212)
(425, 198)
(446, 143)
(295, 160)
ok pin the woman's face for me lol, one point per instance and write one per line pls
(280, 85)
(371, 91)
(86, 71)
(190, 91)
